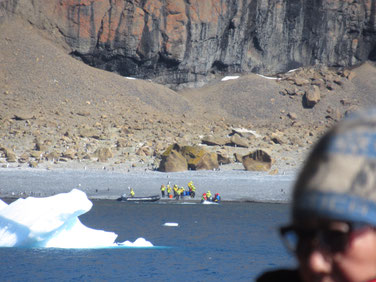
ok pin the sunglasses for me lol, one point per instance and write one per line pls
(332, 239)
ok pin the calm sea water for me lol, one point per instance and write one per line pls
(226, 242)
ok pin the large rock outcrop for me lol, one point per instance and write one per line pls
(177, 42)
(181, 158)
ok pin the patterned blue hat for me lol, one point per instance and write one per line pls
(338, 180)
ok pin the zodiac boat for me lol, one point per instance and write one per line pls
(125, 198)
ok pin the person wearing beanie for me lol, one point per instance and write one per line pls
(333, 229)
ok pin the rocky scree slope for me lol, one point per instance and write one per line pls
(60, 113)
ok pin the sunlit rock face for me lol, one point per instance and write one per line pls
(187, 42)
(53, 222)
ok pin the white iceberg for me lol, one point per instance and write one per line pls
(51, 222)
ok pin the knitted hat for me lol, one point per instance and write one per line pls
(338, 180)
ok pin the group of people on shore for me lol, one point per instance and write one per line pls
(178, 192)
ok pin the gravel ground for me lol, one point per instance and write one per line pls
(234, 185)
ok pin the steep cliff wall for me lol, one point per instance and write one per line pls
(187, 41)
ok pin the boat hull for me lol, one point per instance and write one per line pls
(140, 199)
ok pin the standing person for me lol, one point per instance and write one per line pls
(181, 192)
(169, 190)
(176, 188)
(163, 190)
(132, 193)
(333, 229)
(192, 189)
(209, 196)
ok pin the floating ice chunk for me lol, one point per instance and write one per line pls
(230, 77)
(174, 224)
(51, 222)
(140, 242)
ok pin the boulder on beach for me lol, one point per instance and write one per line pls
(198, 158)
(208, 161)
(103, 154)
(215, 141)
(238, 141)
(258, 160)
(172, 160)
(180, 158)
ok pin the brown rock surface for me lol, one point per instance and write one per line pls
(39, 77)
(257, 161)
(173, 161)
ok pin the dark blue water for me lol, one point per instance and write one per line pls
(227, 242)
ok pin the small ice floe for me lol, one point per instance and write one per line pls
(230, 77)
(128, 77)
(140, 242)
(269, 77)
(171, 224)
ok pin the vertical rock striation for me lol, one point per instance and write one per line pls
(178, 42)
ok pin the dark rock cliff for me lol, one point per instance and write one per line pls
(186, 42)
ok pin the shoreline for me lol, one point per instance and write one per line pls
(234, 185)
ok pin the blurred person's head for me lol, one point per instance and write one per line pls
(333, 230)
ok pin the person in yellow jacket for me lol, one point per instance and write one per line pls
(192, 189)
(178, 193)
(181, 190)
(132, 193)
(169, 190)
(209, 195)
(176, 188)
(163, 190)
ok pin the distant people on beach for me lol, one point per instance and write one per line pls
(131, 192)
(163, 190)
(333, 228)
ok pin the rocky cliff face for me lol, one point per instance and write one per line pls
(177, 42)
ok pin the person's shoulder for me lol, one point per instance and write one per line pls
(279, 275)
